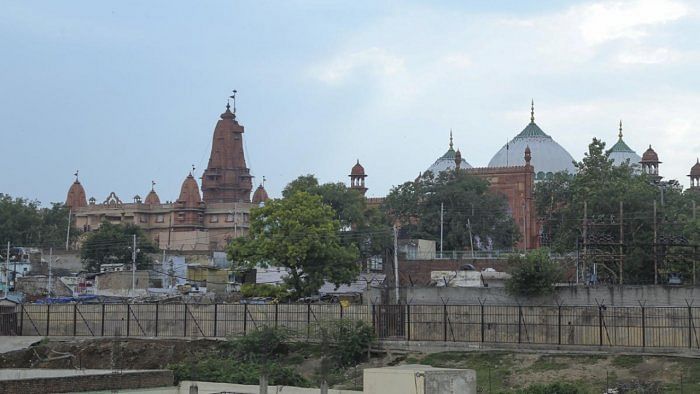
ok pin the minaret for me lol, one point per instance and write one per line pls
(695, 175)
(357, 178)
(650, 164)
(226, 178)
(458, 160)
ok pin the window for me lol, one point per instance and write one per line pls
(143, 219)
(214, 219)
(229, 217)
(159, 219)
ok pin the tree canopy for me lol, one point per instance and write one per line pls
(301, 233)
(112, 243)
(533, 274)
(467, 201)
(25, 223)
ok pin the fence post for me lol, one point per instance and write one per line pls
(690, 326)
(216, 317)
(102, 322)
(184, 325)
(374, 319)
(308, 321)
(600, 325)
(245, 319)
(559, 325)
(444, 322)
(48, 317)
(644, 328)
(128, 319)
(276, 314)
(520, 318)
(341, 310)
(75, 319)
(408, 322)
(157, 317)
(482, 321)
(21, 319)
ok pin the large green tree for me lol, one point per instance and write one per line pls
(468, 205)
(25, 223)
(113, 243)
(301, 233)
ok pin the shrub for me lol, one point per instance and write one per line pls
(552, 388)
(263, 344)
(346, 341)
(533, 275)
(229, 370)
(263, 290)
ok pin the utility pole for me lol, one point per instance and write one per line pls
(133, 267)
(656, 254)
(7, 270)
(396, 264)
(471, 240)
(70, 212)
(585, 237)
(48, 285)
(442, 210)
(622, 241)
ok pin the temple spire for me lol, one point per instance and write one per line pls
(153, 185)
(76, 175)
(620, 133)
(532, 111)
(451, 145)
(234, 101)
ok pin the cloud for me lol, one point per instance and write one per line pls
(377, 61)
(649, 56)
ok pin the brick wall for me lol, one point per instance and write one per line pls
(109, 381)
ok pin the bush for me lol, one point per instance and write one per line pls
(263, 290)
(263, 344)
(346, 341)
(533, 275)
(229, 370)
(552, 388)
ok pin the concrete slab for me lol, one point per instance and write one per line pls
(12, 343)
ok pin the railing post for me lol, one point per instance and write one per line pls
(21, 319)
(644, 328)
(276, 314)
(75, 319)
(520, 319)
(48, 318)
(216, 317)
(482, 321)
(600, 325)
(690, 327)
(341, 310)
(308, 321)
(559, 325)
(444, 322)
(102, 322)
(374, 319)
(245, 319)
(157, 317)
(408, 322)
(128, 319)
(184, 325)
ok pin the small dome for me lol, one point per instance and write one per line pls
(152, 198)
(650, 156)
(260, 195)
(547, 156)
(447, 161)
(357, 169)
(621, 152)
(189, 193)
(76, 196)
(695, 170)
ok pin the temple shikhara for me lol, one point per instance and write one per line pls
(194, 222)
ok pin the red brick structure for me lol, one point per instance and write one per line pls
(357, 178)
(227, 179)
(189, 207)
(76, 196)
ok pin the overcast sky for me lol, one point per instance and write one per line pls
(129, 91)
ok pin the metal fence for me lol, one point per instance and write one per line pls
(590, 325)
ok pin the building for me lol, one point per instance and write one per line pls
(622, 153)
(695, 176)
(194, 222)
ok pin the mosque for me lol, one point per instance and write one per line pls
(203, 222)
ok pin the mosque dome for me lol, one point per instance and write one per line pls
(357, 169)
(548, 156)
(189, 193)
(76, 195)
(695, 169)
(447, 161)
(260, 195)
(621, 152)
(650, 156)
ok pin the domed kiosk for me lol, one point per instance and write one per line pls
(548, 156)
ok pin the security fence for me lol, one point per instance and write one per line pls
(590, 325)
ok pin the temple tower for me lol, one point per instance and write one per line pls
(226, 178)
(357, 178)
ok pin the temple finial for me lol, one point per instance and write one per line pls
(532, 111)
(153, 185)
(234, 101)
(263, 181)
(192, 172)
(76, 175)
(451, 145)
(620, 133)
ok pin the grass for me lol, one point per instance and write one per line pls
(627, 361)
(492, 368)
(546, 363)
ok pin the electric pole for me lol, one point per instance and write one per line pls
(7, 270)
(48, 285)
(133, 267)
(396, 264)
(442, 210)
(70, 211)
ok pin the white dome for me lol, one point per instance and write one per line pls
(621, 152)
(547, 155)
(447, 161)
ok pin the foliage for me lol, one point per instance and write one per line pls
(231, 370)
(263, 290)
(299, 233)
(26, 223)
(533, 275)
(346, 341)
(261, 345)
(112, 243)
(551, 388)
(601, 187)
(365, 227)
(467, 201)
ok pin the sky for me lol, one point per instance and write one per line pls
(128, 92)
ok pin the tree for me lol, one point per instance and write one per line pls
(113, 243)
(300, 233)
(25, 223)
(533, 275)
(467, 201)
